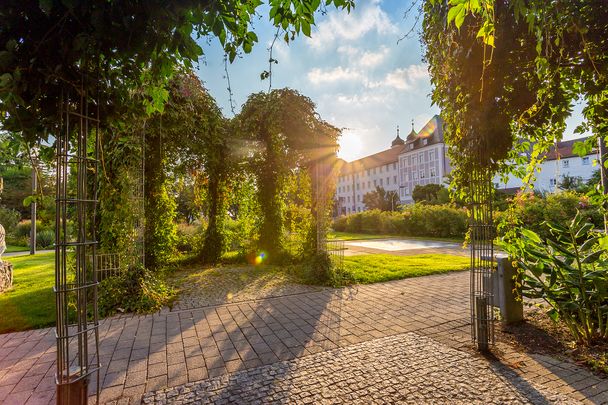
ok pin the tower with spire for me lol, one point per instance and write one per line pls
(397, 141)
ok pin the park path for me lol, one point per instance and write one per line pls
(415, 327)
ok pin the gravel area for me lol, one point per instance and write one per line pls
(203, 287)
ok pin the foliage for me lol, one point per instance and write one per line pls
(288, 136)
(530, 211)
(45, 239)
(17, 181)
(30, 303)
(9, 219)
(49, 46)
(510, 70)
(377, 268)
(568, 271)
(431, 194)
(414, 220)
(136, 290)
(573, 183)
(161, 233)
(381, 199)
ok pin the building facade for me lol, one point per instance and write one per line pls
(561, 161)
(420, 159)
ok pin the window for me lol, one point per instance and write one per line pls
(425, 141)
(420, 155)
(407, 191)
(380, 169)
(388, 181)
(415, 174)
(381, 182)
(348, 199)
(395, 166)
(422, 174)
(394, 179)
(586, 161)
(374, 170)
(552, 182)
(432, 155)
(347, 188)
(375, 184)
(358, 197)
(357, 186)
(565, 163)
(359, 209)
(369, 184)
(367, 171)
(433, 172)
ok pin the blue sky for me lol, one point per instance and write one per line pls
(353, 67)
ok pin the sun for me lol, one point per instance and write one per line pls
(351, 145)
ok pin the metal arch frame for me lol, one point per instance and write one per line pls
(77, 330)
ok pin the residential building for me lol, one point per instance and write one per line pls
(561, 161)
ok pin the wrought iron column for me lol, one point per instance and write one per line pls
(77, 331)
(482, 234)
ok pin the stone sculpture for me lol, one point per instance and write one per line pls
(2, 241)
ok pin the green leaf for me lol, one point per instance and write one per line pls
(533, 236)
(593, 257)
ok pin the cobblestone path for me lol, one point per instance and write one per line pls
(406, 368)
(142, 354)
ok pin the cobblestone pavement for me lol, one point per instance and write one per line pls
(406, 368)
(202, 287)
(149, 353)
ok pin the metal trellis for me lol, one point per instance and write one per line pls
(77, 331)
(482, 258)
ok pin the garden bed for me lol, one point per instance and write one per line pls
(539, 334)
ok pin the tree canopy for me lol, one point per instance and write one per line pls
(50, 47)
(381, 199)
(506, 74)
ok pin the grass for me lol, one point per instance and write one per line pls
(368, 269)
(14, 248)
(367, 236)
(30, 303)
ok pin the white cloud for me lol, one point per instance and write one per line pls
(344, 27)
(366, 59)
(338, 74)
(406, 78)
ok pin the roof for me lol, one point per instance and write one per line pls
(377, 159)
(565, 149)
(432, 132)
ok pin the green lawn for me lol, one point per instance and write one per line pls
(368, 269)
(31, 301)
(365, 236)
(13, 248)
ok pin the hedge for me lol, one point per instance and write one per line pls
(414, 220)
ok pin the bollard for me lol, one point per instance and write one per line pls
(505, 295)
(482, 324)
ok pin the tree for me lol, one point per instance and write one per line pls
(288, 135)
(381, 199)
(431, 193)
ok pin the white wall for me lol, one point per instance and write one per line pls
(551, 172)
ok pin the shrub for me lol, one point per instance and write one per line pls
(24, 227)
(414, 220)
(9, 219)
(136, 290)
(45, 238)
(189, 237)
(568, 271)
(532, 210)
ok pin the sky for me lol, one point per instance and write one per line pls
(354, 67)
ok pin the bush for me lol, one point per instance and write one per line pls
(568, 271)
(24, 227)
(9, 219)
(45, 239)
(189, 237)
(531, 210)
(414, 220)
(136, 290)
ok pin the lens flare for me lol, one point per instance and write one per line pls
(260, 258)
